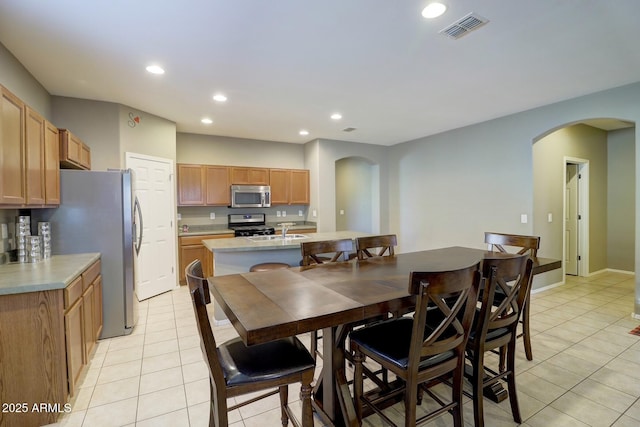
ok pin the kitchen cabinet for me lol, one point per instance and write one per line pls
(218, 184)
(289, 186)
(74, 333)
(92, 302)
(191, 248)
(74, 154)
(249, 176)
(12, 149)
(191, 185)
(51, 164)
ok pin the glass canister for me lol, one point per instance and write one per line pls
(44, 230)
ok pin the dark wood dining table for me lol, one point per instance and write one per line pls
(265, 306)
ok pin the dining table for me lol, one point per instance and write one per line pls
(265, 306)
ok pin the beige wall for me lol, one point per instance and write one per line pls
(18, 80)
(581, 142)
(355, 194)
(149, 135)
(621, 195)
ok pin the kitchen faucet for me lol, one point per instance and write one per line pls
(285, 227)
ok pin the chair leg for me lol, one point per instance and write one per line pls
(511, 381)
(410, 399)
(218, 409)
(314, 345)
(456, 395)
(284, 401)
(358, 359)
(477, 385)
(526, 333)
(503, 359)
(305, 397)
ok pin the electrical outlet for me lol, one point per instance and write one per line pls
(212, 215)
(299, 213)
(284, 213)
(523, 218)
(341, 211)
(278, 214)
(314, 213)
(179, 217)
(550, 217)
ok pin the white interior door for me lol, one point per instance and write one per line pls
(571, 220)
(155, 259)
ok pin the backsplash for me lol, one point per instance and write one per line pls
(7, 232)
(198, 215)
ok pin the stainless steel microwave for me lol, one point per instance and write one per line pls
(250, 196)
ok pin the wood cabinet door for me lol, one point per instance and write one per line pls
(188, 254)
(249, 176)
(74, 333)
(51, 164)
(34, 154)
(85, 156)
(12, 161)
(88, 321)
(97, 308)
(280, 186)
(218, 185)
(191, 185)
(299, 187)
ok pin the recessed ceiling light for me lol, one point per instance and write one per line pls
(219, 97)
(155, 69)
(206, 121)
(304, 132)
(433, 10)
(336, 116)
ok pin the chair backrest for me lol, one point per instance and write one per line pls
(498, 241)
(312, 250)
(200, 297)
(446, 302)
(507, 281)
(383, 244)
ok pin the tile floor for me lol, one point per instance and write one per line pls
(585, 372)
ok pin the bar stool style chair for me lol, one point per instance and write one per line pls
(495, 327)
(425, 348)
(530, 245)
(384, 244)
(311, 252)
(235, 369)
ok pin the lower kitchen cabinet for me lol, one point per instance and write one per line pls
(47, 339)
(191, 248)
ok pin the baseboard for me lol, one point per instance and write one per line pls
(635, 315)
(222, 322)
(546, 288)
(610, 270)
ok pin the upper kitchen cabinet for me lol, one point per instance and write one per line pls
(74, 154)
(204, 185)
(191, 185)
(217, 184)
(12, 149)
(34, 154)
(250, 176)
(51, 164)
(289, 186)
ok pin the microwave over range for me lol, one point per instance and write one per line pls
(250, 196)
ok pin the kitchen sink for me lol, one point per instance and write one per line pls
(277, 237)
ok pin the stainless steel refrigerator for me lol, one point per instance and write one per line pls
(98, 213)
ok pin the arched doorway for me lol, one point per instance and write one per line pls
(608, 145)
(357, 195)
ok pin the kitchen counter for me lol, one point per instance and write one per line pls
(53, 273)
(243, 244)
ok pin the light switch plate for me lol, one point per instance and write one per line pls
(550, 217)
(278, 214)
(284, 213)
(523, 218)
(314, 213)
(299, 213)
(212, 215)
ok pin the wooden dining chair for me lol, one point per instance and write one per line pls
(312, 254)
(495, 327)
(523, 245)
(380, 246)
(422, 349)
(338, 249)
(236, 369)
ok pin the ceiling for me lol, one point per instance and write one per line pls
(287, 65)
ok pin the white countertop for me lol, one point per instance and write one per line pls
(238, 244)
(52, 273)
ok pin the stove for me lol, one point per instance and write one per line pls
(245, 225)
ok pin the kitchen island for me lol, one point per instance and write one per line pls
(237, 255)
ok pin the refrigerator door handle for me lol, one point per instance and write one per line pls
(138, 237)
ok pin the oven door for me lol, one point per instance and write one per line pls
(250, 196)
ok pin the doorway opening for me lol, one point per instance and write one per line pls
(576, 216)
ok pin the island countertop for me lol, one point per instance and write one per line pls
(240, 244)
(53, 273)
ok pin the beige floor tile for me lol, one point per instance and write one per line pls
(161, 380)
(114, 391)
(585, 410)
(604, 395)
(197, 392)
(158, 363)
(625, 421)
(195, 371)
(121, 356)
(161, 402)
(178, 418)
(162, 347)
(119, 372)
(155, 337)
(551, 417)
(112, 414)
(618, 381)
(538, 388)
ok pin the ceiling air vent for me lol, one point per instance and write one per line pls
(348, 129)
(464, 25)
